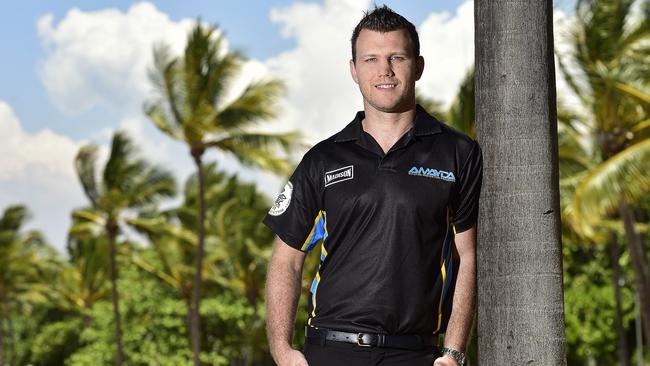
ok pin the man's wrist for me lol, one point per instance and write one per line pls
(278, 351)
(457, 356)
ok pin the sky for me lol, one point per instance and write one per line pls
(73, 72)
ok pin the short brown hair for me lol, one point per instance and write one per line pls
(384, 19)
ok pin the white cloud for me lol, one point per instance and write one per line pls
(447, 45)
(322, 96)
(38, 170)
(101, 58)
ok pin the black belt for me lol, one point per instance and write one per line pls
(410, 342)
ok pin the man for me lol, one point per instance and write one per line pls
(392, 201)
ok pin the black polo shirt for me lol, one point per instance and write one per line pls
(385, 225)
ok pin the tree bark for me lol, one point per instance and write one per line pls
(520, 295)
(640, 266)
(111, 229)
(617, 275)
(2, 331)
(12, 340)
(195, 314)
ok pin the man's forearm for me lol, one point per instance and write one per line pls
(282, 295)
(463, 307)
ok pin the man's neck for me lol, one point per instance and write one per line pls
(387, 128)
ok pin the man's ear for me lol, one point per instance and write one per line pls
(419, 64)
(353, 72)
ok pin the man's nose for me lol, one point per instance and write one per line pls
(385, 68)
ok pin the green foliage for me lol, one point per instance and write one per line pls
(153, 322)
(590, 304)
(55, 341)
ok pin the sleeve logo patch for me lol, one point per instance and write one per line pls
(282, 202)
(339, 175)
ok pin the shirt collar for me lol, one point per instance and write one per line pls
(425, 124)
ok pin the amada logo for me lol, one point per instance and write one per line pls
(433, 173)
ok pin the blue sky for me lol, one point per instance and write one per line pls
(72, 72)
(242, 21)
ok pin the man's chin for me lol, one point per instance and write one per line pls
(391, 107)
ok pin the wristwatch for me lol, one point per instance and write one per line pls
(456, 355)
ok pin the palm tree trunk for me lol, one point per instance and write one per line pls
(12, 341)
(2, 331)
(188, 305)
(623, 351)
(640, 265)
(195, 321)
(520, 299)
(111, 229)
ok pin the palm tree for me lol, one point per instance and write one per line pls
(22, 255)
(237, 243)
(609, 70)
(127, 183)
(192, 107)
(243, 267)
(82, 280)
(520, 302)
(174, 240)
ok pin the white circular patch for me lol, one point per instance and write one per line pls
(282, 202)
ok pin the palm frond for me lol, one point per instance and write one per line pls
(256, 103)
(623, 176)
(150, 186)
(121, 165)
(85, 165)
(165, 123)
(633, 92)
(165, 78)
(13, 218)
(259, 149)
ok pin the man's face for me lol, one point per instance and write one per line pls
(386, 70)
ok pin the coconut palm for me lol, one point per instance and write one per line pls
(520, 303)
(127, 183)
(174, 239)
(237, 243)
(22, 255)
(608, 69)
(82, 280)
(193, 106)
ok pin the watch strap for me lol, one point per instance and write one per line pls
(456, 355)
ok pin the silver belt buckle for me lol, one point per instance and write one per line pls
(359, 338)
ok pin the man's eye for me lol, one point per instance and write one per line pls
(397, 58)
(371, 59)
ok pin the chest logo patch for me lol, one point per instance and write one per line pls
(339, 175)
(282, 202)
(433, 173)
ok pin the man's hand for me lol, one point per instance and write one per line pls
(292, 358)
(445, 361)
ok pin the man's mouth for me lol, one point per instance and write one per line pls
(385, 86)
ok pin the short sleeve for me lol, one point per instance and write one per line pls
(296, 216)
(466, 200)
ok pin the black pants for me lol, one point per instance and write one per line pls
(348, 354)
